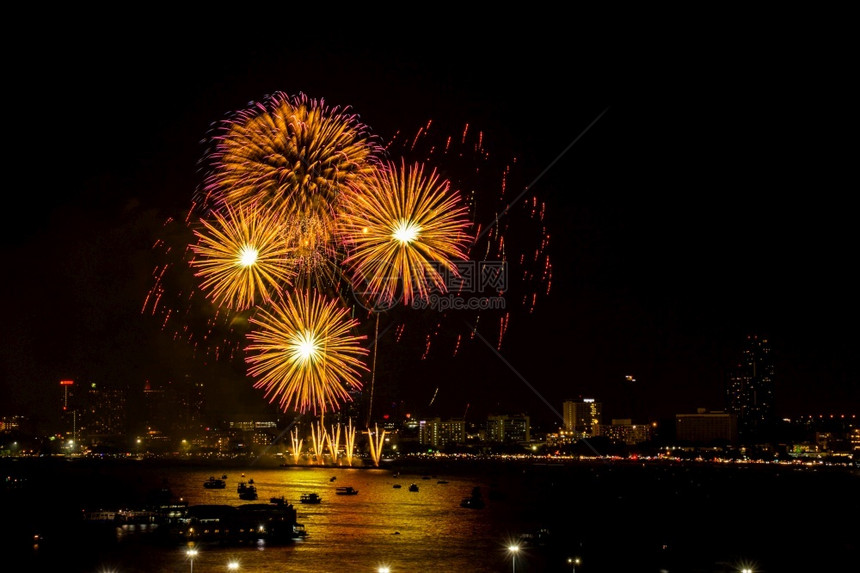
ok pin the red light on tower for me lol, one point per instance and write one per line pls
(65, 384)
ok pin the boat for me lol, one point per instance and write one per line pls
(442, 481)
(214, 483)
(397, 486)
(278, 500)
(247, 491)
(413, 487)
(225, 524)
(332, 478)
(346, 490)
(474, 501)
(310, 498)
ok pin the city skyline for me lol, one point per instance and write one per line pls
(672, 233)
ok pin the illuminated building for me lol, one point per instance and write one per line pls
(436, 433)
(749, 393)
(854, 439)
(505, 428)
(706, 427)
(624, 430)
(581, 417)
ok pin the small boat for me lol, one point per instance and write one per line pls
(442, 481)
(214, 483)
(278, 500)
(332, 478)
(413, 487)
(310, 498)
(247, 491)
(299, 531)
(472, 503)
(346, 490)
(397, 486)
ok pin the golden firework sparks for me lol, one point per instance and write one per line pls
(303, 354)
(403, 230)
(242, 257)
(293, 153)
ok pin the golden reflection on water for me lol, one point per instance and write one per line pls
(425, 530)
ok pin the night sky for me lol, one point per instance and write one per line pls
(707, 197)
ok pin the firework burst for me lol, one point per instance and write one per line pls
(242, 257)
(302, 353)
(402, 229)
(292, 153)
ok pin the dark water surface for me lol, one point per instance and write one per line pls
(614, 516)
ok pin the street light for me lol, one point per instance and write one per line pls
(574, 561)
(233, 566)
(384, 569)
(514, 549)
(192, 553)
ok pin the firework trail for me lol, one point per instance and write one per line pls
(349, 442)
(297, 446)
(376, 439)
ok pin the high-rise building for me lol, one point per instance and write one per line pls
(706, 427)
(436, 432)
(506, 428)
(102, 416)
(749, 393)
(582, 416)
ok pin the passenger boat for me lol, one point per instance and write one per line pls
(247, 523)
(214, 483)
(310, 498)
(346, 490)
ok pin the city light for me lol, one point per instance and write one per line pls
(573, 561)
(233, 565)
(514, 549)
(192, 553)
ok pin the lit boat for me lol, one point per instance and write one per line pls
(214, 483)
(346, 490)
(310, 498)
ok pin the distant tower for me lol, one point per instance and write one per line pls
(749, 394)
(582, 416)
(68, 415)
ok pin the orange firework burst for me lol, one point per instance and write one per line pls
(401, 229)
(292, 153)
(303, 355)
(242, 257)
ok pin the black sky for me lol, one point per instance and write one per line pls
(709, 201)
